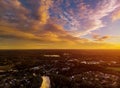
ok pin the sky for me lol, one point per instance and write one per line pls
(59, 24)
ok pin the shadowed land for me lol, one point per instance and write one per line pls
(65, 68)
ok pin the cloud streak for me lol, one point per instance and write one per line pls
(97, 37)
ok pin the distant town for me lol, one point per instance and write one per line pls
(64, 68)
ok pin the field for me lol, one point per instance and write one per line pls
(62, 68)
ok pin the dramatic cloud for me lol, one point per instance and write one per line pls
(43, 12)
(12, 12)
(59, 22)
(76, 17)
(83, 19)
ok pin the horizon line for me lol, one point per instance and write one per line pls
(59, 49)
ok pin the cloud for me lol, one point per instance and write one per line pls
(40, 13)
(43, 12)
(17, 14)
(10, 32)
(49, 34)
(83, 19)
(116, 15)
(13, 12)
(98, 37)
(12, 38)
(76, 17)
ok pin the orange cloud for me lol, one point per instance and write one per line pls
(12, 38)
(11, 32)
(43, 12)
(50, 33)
(100, 38)
(116, 15)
